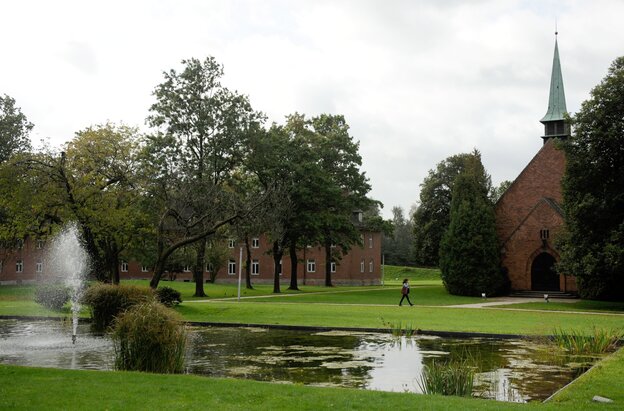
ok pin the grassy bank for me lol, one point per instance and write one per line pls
(24, 388)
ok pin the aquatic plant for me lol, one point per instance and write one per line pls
(398, 329)
(600, 341)
(106, 301)
(150, 337)
(448, 378)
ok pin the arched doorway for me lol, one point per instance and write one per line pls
(543, 274)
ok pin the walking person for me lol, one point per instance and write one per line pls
(405, 291)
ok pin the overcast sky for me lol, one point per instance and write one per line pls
(417, 81)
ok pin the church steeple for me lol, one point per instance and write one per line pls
(554, 120)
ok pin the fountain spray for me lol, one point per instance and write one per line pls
(69, 261)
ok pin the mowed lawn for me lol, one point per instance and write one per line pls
(365, 307)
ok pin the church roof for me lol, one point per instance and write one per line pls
(556, 99)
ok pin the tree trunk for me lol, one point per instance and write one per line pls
(248, 265)
(198, 270)
(277, 258)
(293, 266)
(328, 261)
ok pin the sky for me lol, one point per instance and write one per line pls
(417, 81)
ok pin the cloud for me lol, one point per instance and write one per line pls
(417, 81)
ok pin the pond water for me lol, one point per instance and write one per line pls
(508, 370)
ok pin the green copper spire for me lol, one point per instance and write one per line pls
(555, 125)
(556, 100)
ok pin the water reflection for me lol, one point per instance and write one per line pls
(508, 370)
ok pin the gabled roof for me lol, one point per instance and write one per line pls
(544, 200)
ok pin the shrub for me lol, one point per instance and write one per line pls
(150, 337)
(52, 296)
(106, 301)
(453, 378)
(168, 296)
(576, 342)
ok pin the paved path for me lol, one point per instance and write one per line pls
(492, 302)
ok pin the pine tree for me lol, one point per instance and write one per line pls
(469, 250)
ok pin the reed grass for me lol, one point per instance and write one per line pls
(599, 341)
(399, 328)
(150, 337)
(448, 378)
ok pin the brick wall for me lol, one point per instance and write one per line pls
(531, 204)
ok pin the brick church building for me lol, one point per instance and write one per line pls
(529, 215)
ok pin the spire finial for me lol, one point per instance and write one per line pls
(556, 31)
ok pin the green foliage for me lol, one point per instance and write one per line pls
(194, 164)
(593, 191)
(52, 296)
(398, 247)
(399, 328)
(469, 251)
(452, 378)
(14, 129)
(107, 301)
(599, 341)
(168, 296)
(150, 337)
(432, 217)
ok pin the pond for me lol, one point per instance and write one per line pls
(508, 370)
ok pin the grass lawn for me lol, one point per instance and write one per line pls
(369, 307)
(580, 305)
(24, 388)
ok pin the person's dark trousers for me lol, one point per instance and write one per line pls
(408, 300)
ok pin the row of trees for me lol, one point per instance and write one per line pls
(208, 167)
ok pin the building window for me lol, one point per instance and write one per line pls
(362, 266)
(0, 266)
(544, 234)
(231, 243)
(39, 267)
(370, 266)
(255, 267)
(209, 268)
(144, 269)
(19, 266)
(186, 269)
(124, 267)
(280, 267)
(20, 244)
(231, 267)
(370, 241)
(311, 266)
(40, 244)
(333, 266)
(255, 243)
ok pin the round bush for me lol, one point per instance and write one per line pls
(150, 337)
(52, 296)
(106, 301)
(168, 296)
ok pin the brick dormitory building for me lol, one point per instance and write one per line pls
(361, 265)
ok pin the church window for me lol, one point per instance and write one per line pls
(544, 234)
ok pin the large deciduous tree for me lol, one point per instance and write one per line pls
(432, 216)
(93, 182)
(469, 250)
(206, 128)
(593, 191)
(14, 129)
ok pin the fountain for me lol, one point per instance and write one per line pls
(68, 262)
